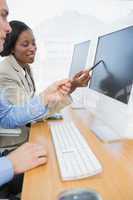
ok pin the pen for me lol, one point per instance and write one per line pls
(92, 68)
(96, 65)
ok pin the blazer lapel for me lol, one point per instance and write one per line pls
(19, 71)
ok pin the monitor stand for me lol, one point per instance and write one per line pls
(77, 97)
(77, 105)
(104, 132)
(82, 99)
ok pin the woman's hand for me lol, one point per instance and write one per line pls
(81, 79)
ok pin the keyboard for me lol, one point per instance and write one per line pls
(75, 158)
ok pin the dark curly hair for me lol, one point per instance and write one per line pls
(17, 28)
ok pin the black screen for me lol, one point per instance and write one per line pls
(114, 76)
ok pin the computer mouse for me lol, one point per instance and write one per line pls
(56, 116)
(80, 194)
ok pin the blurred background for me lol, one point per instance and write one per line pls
(59, 24)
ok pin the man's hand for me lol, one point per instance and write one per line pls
(81, 79)
(27, 157)
(55, 93)
(64, 86)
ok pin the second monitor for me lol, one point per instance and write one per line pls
(79, 58)
(78, 63)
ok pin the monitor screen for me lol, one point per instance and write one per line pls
(113, 77)
(79, 58)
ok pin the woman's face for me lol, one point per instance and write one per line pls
(25, 48)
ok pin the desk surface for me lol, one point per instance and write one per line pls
(114, 183)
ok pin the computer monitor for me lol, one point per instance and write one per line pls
(79, 58)
(78, 63)
(113, 78)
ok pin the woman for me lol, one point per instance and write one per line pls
(15, 73)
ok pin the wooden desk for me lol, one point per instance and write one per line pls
(114, 183)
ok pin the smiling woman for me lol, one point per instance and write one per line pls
(16, 80)
(25, 48)
(16, 76)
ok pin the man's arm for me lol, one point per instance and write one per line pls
(12, 116)
(55, 96)
(24, 158)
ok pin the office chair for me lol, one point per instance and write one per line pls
(9, 141)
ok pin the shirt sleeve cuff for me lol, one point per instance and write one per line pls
(6, 170)
(37, 108)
